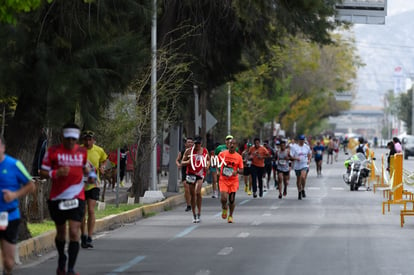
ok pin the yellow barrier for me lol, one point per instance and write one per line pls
(396, 191)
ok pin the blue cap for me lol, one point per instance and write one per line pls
(302, 137)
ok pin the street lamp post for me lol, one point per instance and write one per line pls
(154, 98)
(229, 110)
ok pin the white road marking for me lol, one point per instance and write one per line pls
(127, 265)
(203, 272)
(267, 214)
(243, 235)
(225, 251)
(256, 223)
(338, 188)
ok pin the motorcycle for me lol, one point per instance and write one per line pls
(357, 170)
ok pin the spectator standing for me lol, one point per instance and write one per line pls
(397, 145)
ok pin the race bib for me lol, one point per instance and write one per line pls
(68, 204)
(228, 171)
(190, 178)
(319, 152)
(282, 161)
(4, 220)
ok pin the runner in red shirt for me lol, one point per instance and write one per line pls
(232, 165)
(197, 160)
(65, 165)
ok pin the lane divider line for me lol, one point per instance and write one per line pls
(127, 265)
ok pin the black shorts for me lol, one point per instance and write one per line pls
(92, 194)
(285, 173)
(61, 216)
(197, 179)
(11, 232)
(246, 171)
(183, 173)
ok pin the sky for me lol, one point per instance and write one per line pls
(383, 48)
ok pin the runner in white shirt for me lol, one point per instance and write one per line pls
(301, 154)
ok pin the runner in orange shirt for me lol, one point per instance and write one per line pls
(229, 179)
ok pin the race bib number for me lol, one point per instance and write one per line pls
(282, 162)
(249, 163)
(190, 178)
(319, 152)
(228, 171)
(68, 204)
(4, 220)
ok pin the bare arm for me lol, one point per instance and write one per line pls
(9, 196)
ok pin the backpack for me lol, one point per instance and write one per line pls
(360, 149)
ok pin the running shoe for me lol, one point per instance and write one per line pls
(303, 194)
(299, 195)
(246, 188)
(188, 208)
(254, 195)
(195, 219)
(72, 273)
(198, 219)
(89, 242)
(280, 196)
(284, 192)
(58, 271)
(224, 214)
(84, 238)
(230, 219)
(249, 193)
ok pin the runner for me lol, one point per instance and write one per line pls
(65, 164)
(318, 156)
(197, 160)
(15, 182)
(301, 154)
(257, 153)
(283, 168)
(247, 177)
(188, 144)
(229, 179)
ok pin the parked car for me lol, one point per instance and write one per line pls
(408, 146)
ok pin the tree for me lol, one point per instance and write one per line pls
(405, 108)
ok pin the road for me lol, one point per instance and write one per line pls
(331, 231)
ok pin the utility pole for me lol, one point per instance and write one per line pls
(197, 123)
(154, 177)
(229, 110)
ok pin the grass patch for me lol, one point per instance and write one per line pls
(37, 229)
(111, 209)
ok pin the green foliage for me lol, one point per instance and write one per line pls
(9, 9)
(404, 108)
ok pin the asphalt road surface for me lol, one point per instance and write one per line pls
(331, 231)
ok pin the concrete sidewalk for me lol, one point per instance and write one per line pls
(39, 245)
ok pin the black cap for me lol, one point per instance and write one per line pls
(197, 139)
